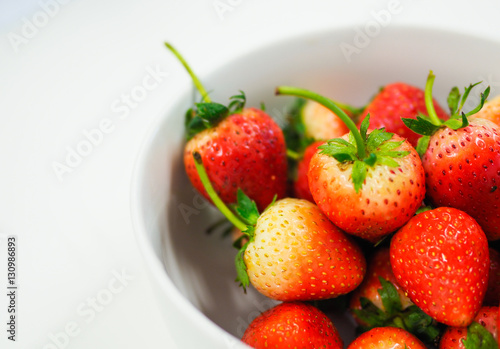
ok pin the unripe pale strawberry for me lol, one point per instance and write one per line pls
(298, 254)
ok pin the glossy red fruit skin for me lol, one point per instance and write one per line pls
(292, 325)
(452, 336)
(441, 259)
(398, 100)
(462, 170)
(390, 196)
(492, 296)
(386, 338)
(246, 150)
(379, 265)
(301, 183)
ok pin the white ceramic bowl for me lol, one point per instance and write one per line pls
(193, 272)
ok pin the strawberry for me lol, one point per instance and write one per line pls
(441, 259)
(379, 301)
(490, 111)
(246, 150)
(321, 123)
(379, 266)
(298, 254)
(293, 251)
(492, 296)
(301, 183)
(241, 148)
(292, 325)
(488, 318)
(386, 338)
(461, 159)
(368, 184)
(395, 101)
(309, 122)
(482, 333)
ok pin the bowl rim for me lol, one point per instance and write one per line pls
(151, 260)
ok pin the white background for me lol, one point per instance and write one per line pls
(64, 67)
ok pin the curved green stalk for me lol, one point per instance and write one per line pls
(298, 92)
(355, 111)
(213, 195)
(196, 81)
(292, 154)
(429, 103)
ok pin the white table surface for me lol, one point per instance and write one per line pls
(66, 69)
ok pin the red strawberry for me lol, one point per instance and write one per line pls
(301, 183)
(389, 197)
(395, 101)
(488, 318)
(441, 260)
(367, 184)
(490, 111)
(461, 159)
(386, 338)
(246, 150)
(492, 296)
(482, 333)
(241, 148)
(293, 251)
(462, 170)
(379, 266)
(379, 301)
(292, 325)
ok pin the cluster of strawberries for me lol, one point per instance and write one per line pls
(394, 205)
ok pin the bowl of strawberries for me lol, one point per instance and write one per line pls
(314, 199)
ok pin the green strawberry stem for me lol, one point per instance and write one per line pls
(293, 154)
(355, 111)
(429, 103)
(294, 91)
(196, 81)
(213, 195)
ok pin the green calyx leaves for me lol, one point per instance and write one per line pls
(411, 319)
(208, 114)
(428, 125)
(479, 337)
(379, 150)
(246, 210)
